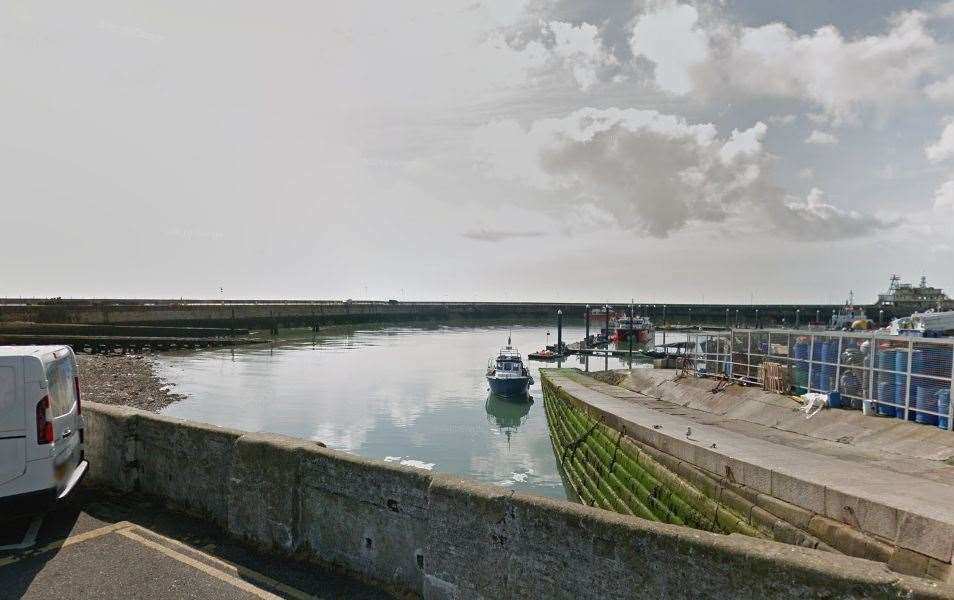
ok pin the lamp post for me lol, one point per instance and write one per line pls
(560, 332)
(726, 318)
(756, 318)
(798, 312)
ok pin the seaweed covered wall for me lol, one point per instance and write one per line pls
(604, 468)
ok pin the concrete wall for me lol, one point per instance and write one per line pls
(443, 537)
(266, 314)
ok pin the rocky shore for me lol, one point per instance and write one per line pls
(128, 379)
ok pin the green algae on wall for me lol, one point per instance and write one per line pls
(603, 469)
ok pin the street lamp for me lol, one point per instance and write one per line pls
(798, 312)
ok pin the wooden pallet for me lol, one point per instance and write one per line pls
(775, 377)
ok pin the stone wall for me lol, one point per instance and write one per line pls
(443, 537)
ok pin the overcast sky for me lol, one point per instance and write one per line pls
(730, 151)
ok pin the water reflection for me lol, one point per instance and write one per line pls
(416, 393)
(507, 414)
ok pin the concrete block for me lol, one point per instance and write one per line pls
(263, 492)
(110, 441)
(800, 493)
(368, 515)
(926, 536)
(186, 463)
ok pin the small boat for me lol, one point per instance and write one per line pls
(544, 355)
(507, 374)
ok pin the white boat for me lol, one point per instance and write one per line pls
(507, 375)
(924, 323)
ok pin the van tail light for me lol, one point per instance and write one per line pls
(79, 405)
(44, 422)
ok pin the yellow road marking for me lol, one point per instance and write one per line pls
(69, 541)
(226, 571)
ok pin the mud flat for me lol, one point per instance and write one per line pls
(128, 380)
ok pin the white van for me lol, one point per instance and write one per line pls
(41, 426)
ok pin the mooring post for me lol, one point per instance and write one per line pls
(560, 332)
(586, 337)
(631, 315)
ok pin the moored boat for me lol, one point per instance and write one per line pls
(507, 375)
(640, 327)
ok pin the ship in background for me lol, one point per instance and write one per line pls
(905, 298)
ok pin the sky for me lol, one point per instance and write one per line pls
(719, 151)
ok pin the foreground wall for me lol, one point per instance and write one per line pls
(443, 537)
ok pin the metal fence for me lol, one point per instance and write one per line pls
(893, 376)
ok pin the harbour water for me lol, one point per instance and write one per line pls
(415, 394)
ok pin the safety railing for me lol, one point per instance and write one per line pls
(904, 377)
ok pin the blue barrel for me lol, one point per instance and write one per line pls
(943, 406)
(829, 355)
(926, 399)
(885, 394)
(800, 352)
(901, 382)
(885, 383)
(834, 400)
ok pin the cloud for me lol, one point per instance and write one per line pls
(943, 148)
(671, 39)
(821, 137)
(942, 90)
(555, 47)
(651, 172)
(498, 235)
(782, 119)
(581, 51)
(944, 196)
(837, 74)
(819, 220)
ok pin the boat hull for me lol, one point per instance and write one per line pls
(640, 335)
(509, 386)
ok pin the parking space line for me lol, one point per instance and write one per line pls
(29, 538)
(229, 567)
(227, 572)
(69, 541)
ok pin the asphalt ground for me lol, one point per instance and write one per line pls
(100, 546)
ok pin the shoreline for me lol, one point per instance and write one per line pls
(126, 379)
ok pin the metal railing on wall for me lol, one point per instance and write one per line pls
(904, 377)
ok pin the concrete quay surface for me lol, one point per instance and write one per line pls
(438, 536)
(825, 477)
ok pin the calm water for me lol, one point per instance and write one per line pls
(414, 395)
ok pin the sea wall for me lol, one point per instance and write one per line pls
(266, 314)
(443, 537)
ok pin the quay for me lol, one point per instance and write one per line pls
(105, 338)
(737, 459)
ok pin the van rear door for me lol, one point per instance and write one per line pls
(61, 379)
(12, 420)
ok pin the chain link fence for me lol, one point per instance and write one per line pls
(893, 376)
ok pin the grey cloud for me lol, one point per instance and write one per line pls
(498, 235)
(656, 173)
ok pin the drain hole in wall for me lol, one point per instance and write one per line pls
(367, 543)
(420, 561)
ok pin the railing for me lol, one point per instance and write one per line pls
(893, 376)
